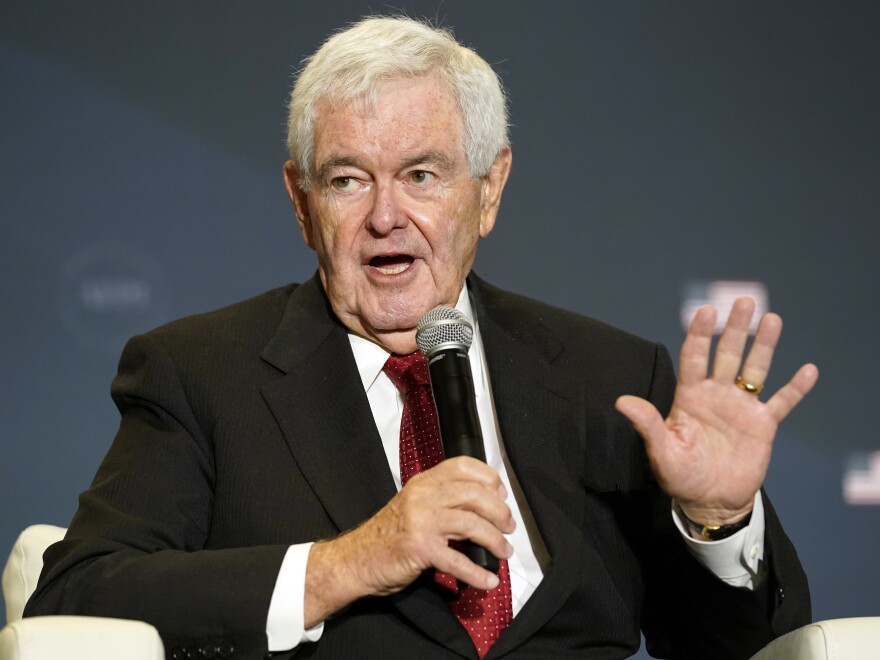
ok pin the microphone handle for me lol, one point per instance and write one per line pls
(453, 387)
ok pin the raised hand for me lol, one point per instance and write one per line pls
(711, 454)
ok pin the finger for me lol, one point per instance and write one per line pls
(435, 493)
(693, 363)
(760, 357)
(459, 566)
(646, 419)
(466, 468)
(482, 501)
(791, 394)
(649, 423)
(457, 525)
(729, 354)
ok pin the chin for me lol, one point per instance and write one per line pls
(398, 323)
(402, 314)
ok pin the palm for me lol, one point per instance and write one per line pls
(711, 453)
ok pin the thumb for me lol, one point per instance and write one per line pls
(642, 414)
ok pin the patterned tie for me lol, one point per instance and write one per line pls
(484, 614)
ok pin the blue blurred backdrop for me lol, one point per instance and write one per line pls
(658, 148)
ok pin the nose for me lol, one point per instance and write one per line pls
(387, 212)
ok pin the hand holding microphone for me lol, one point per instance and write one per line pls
(444, 335)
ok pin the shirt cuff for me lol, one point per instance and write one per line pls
(285, 624)
(737, 559)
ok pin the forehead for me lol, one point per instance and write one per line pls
(406, 116)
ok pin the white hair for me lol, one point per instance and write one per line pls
(353, 64)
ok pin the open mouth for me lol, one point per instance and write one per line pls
(392, 264)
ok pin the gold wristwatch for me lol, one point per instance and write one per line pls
(716, 532)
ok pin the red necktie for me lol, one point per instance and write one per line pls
(484, 614)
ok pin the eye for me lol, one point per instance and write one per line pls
(344, 183)
(421, 177)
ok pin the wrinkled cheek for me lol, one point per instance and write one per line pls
(341, 286)
(326, 245)
(446, 236)
(460, 242)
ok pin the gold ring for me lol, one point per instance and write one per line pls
(751, 388)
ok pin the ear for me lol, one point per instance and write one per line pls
(300, 201)
(492, 187)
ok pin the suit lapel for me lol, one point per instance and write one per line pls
(323, 412)
(543, 435)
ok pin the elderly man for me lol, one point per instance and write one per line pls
(277, 483)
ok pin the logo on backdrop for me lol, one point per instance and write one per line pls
(861, 479)
(721, 294)
(110, 292)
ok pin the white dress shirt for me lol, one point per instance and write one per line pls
(735, 559)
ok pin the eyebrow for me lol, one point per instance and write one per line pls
(333, 163)
(435, 158)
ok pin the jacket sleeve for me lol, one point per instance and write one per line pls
(137, 546)
(688, 612)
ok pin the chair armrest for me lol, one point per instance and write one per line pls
(838, 639)
(80, 638)
(24, 564)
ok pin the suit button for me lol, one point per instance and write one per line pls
(178, 654)
(225, 650)
(780, 596)
(208, 652)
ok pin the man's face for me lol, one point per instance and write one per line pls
(393, 213)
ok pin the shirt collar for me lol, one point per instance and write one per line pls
(371, 357)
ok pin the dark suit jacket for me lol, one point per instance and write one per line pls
(247, 429)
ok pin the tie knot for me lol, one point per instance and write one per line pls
(407, 371)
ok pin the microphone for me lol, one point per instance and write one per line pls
(444, 335)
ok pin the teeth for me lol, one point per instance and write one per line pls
(393, 270)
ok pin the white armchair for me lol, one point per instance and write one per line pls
(70, 637)
(835, 639)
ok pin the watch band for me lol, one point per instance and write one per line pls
(715, 532)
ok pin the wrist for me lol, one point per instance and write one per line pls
(331, 584)
(713, 515)
(708, 524)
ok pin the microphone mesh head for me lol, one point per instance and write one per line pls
(443, 327)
